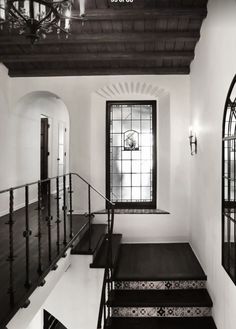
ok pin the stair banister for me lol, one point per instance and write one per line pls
(64, 236)
(107, 287)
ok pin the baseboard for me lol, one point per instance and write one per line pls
(17, 207)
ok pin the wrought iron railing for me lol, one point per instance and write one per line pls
(58, 204)
(104, 315)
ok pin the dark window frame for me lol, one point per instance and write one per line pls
(229, 205)
(133, 205)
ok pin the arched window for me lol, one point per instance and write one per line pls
(229, 184)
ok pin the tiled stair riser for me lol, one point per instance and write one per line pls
(159, 285)
(161, 312)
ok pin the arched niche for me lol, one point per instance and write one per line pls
(125, 91)
(22, 154)
(26, 120)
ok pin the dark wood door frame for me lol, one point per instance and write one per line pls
(133, 205)
(44, 152)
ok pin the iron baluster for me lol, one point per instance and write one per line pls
(45, 200)
(108, 222)
(109, 234)
(89, 214)
(108, 294)
(71, 208)
(64, 210)
(108, 258)
(104, 307)
(102, 304)
(49, 219)
(112, 218)
(58, 215)
(11, 257)
(40, 268)
(27, 233)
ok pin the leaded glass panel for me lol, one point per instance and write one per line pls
(131, 153)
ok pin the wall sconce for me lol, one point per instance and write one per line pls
(193, 141)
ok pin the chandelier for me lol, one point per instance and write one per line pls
(36, 18)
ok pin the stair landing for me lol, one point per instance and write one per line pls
(157, 262)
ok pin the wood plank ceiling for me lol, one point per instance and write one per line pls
(143, 37)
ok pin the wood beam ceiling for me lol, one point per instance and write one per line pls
(145, 38)
(136, 14)
(98, 71)
(111, 37)
(122, 56)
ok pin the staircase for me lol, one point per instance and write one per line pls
(97, 246)
(34, 237)
(166, 292)
(160, 296)
(160, 304)
(145, 286)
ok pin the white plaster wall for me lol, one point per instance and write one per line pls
(76, 299)
(31, 317)
(6, 159)
(211, 74)
(173, 155)
(87, 119)
(71, 294)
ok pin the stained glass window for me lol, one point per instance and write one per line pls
(131, 154)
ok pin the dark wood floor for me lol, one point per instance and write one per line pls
(158, 262)
(7, 310)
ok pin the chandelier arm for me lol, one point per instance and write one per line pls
(46, 3)
(63, 30)
(56, 2)
(18, 12)
(46, 17)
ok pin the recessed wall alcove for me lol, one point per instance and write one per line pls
(24, 122)
(135, 91)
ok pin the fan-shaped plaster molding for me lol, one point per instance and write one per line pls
(116, 90)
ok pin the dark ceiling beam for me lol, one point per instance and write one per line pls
(138, 14)
(97, 71)
(139, 37)
(60, 57)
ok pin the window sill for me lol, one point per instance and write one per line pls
(135, 212)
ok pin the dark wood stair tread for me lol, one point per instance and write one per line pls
(98, 232)
(79, 222)
(158, 262)
(160, 298)
(162, 323)
(101, 257)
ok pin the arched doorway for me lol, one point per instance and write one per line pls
(42, 123)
